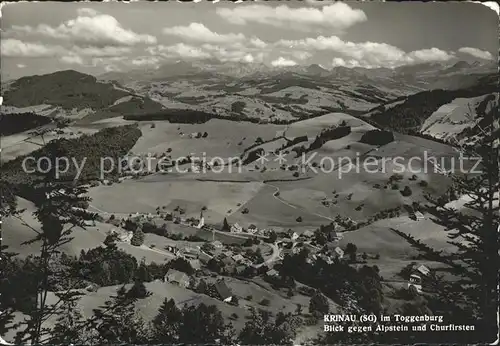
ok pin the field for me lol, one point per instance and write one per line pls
(171, 191)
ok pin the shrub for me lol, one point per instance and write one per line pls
(265, 302)
(423, 183)
(406, 191)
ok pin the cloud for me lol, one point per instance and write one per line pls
(101, 51)
(199, 32)
(301, 55)
(341, 62)
(146, 61)
(338, 16)
(16, 49)
(477, 53)
(96, 29)
(72, 59)
(366, 54)
(87, 12)
(429, 55)
(178, 50)
(21, 66)
(282, 62)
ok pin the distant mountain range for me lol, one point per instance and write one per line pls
(237, 90)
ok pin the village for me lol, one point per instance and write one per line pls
(232, 251)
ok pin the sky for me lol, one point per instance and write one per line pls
(39, 38)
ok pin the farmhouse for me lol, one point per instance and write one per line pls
(177, 277)
(223, 291)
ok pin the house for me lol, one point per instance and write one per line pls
(419, 216)
(240, 269)
(334, 236)
(308, 234)
(89, 223)
(177, 277)
(272, 272)
(238, 258)
(423, 270)
(228, 253)
(236, 228)
(418, 277)
(189, 253)
(217, 244)
(338, 252)
(223, 291)
(326, 258)
(204, 257)
(195, 264)
(252, 230)
(295, 236)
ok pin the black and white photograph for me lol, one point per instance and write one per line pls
(249, 173)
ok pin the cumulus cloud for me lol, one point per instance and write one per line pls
(87, 12)
(341, 62)
(178, 50)
(282, 62)
(366, 54)
(199, 32)
(477, 53)
(16, 49)
(87, 28)
(72, 59)
(429, 55)
(338, 16)
(301, 55)
(101, 51)
(146, 61)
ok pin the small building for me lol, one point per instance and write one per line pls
(223, 291)
(236, 228)
(419, 216)
(272, 273)
(338, 252)
(418, 277)
(238, 258)
(204, 257)
(177, 277)
(195, 264)
(189, 253)
(217, 244)
(252, 230)
(295, 236)
(334, 236)
(89, 223)
(228, 253)
(240, 269)
(308, 234)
